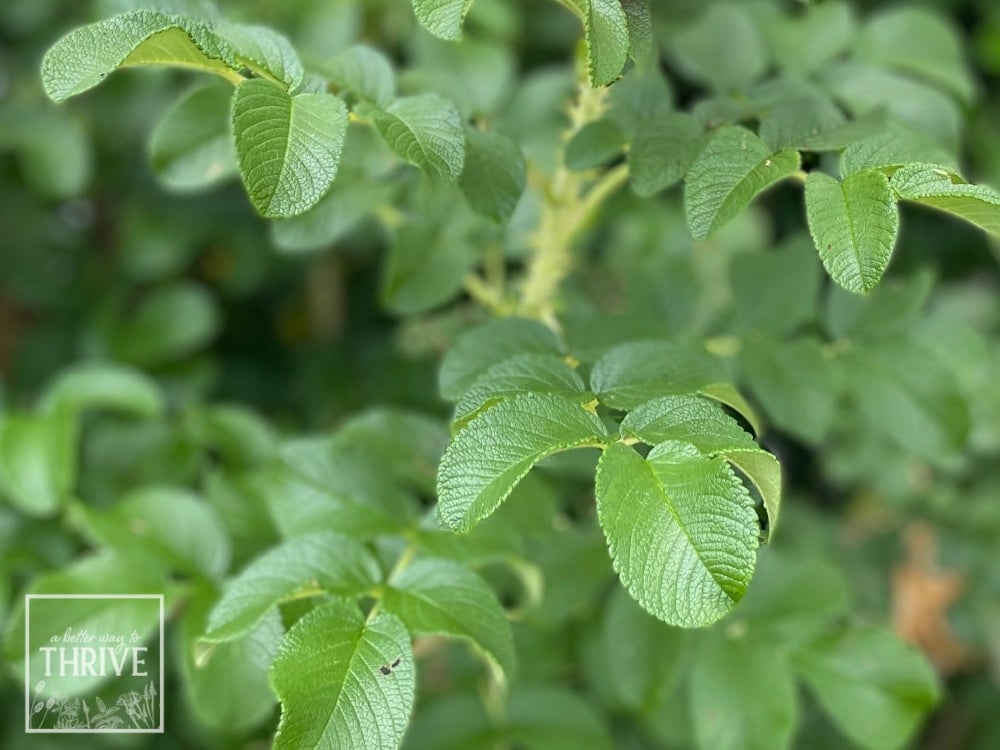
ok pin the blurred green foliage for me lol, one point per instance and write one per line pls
(160, 343)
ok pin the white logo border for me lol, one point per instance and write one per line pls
(27, 661)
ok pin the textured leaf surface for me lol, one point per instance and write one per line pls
(522, 373)
(681, 529)
(425, 131)
(494, 174)
(322, 560)
(328, 676)
(85, 56)
(936, 186)
(265, 51)
(477, 350)
(731, 170)
(892, 149)
(663, 150)
(288, 146)
(441, 597)
(607, 40)
(192, 146)
(490, 455)
(443, 18)
(853, 224)
(713, 432)
(640, 30)
(742, 695)
(632, 373)
(875, 687)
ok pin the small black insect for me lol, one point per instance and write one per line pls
(386, 669)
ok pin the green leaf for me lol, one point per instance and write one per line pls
(644, 658)
(919, 107)
(333, 693)
(365, 72)
(890, 150)
(38, 460)
(443, 18)
(491, 454)
(776, 291)
(630, 374)
(681, 529)
(554, 718)
(478, 349)
(494, 174)
(440, 597)
(171, 526)
(713, 432)
(793, 599)
(85, 56)
(522, 373)
(53, 151)
(921, 42)
(793, 112)
(336, 215)
(853, 225)
(742, 695)
(891, 310)
(641, 46)
(732, 169)
(606, 27)
(940, 188)
(425, 131)
(170, 322)
(191, 146)
(239, 436)
(209, 675)
(795, 382)
(288, 146)
(875, 688)
(322, 561)
(103, 386)
(723, 48)
(806, 42)
(904, 392)
(264, 51)
(595, 144)
(663, 150)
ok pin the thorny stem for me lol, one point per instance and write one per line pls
(569, 200)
